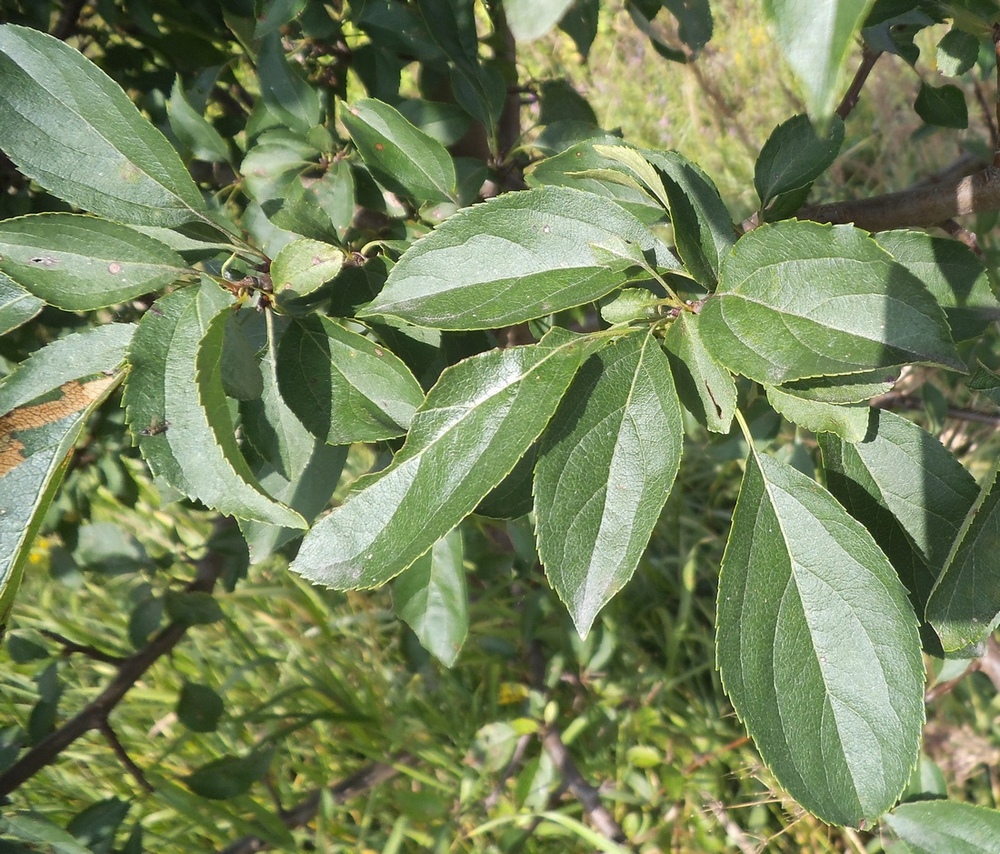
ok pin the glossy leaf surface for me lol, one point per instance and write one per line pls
(794, 156)
(815, 39)
(946, 827)
(402, 157)
(818, 647)
(511, 259)
(44, 406)
(606, 465)
(178, 412)
(80, 263)
(799, 300)
(17, 306)
(473, 427)
(908, 490)
(342, 386)
(50, 93)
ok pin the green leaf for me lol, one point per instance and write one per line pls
(942, 106)
(799, 300)
(80, 263)
(513, 258)
(580, 24)
(706, 389)
(606, 465)
(118, 166)
(794, 156)
(177, 410)
(946, 827)
(199, 707)
(479, 89)
(815, 39)
(303, 266)
(511, 498)
(230, 776)
(195, 608)
(17, 306)
(847, 388)
(703, 229)
(239, 370)
(694, 21)
(473, 427)
(582, 167)
(194, 132)
(432, 599)
(34, 828)
(908, 490)
(289, 462)
(531, 19)
(953, 274)
(818, 647)
(957, 52)
(849, 421)
(342, 386)
(964, 605)
(401, 157)
(44, 406)
(95, 825)
(285, 92)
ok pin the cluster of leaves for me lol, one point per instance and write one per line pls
(311, 303)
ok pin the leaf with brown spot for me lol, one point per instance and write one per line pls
(44, 406)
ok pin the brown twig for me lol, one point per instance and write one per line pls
(94, 715)
(586, 794)
(868, 59)
(350, 787)
(69, 647)
(996, 50)
(898, 400)
(963, 235)
(916, 207)
(988, 664)
(69, 19)
(119, 749)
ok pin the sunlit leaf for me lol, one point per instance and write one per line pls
(818, 647)
(44, 406)
(178, 412)
(81, 262)
(798, 300)
(511, 259)
(815, 39)
(473, 427)
(49, 94)
(946, 827)
(605, 467)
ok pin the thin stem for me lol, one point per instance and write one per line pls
(996, 50)
(69, 647)
(921, 206)
(95, 714)
(868, 59)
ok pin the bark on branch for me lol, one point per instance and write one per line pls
(94, 716)
(917, 207)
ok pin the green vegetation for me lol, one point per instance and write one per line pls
(417, 263)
